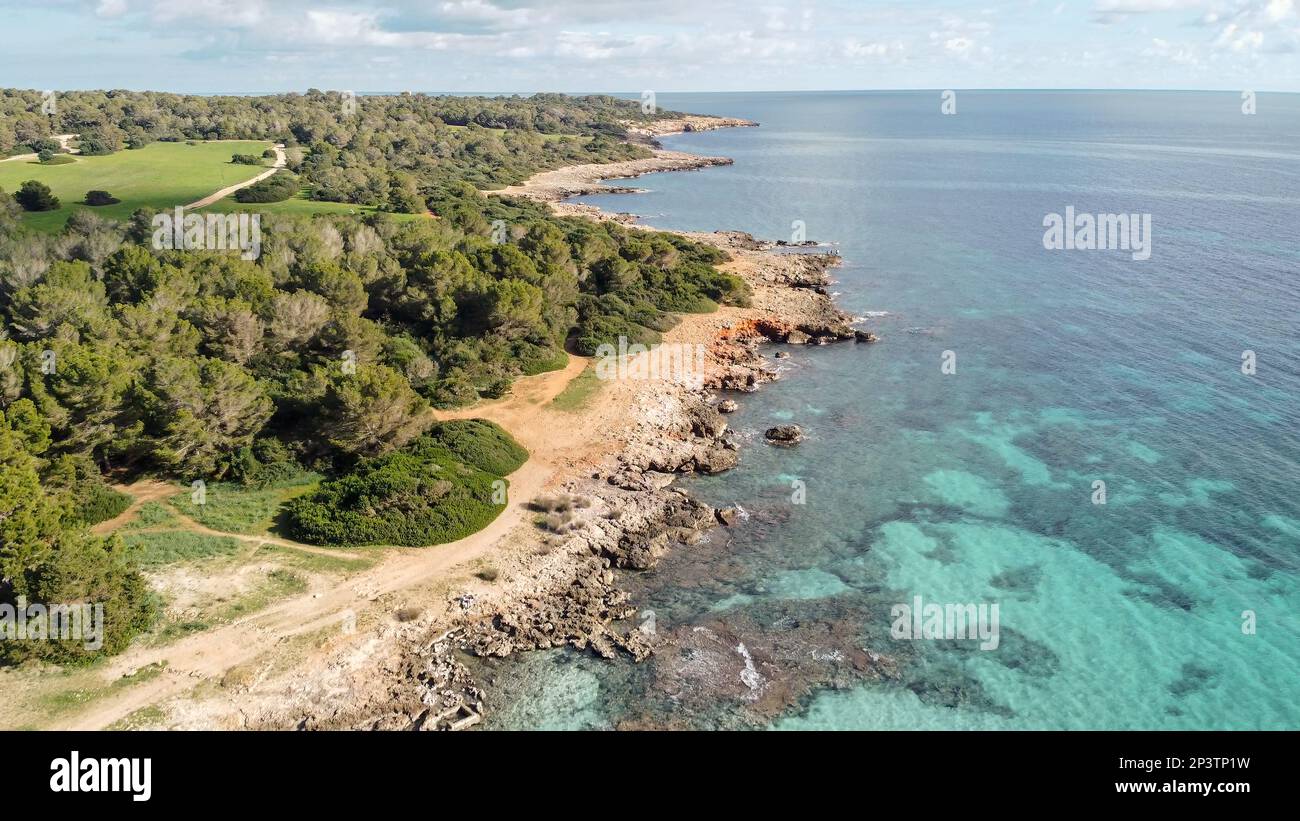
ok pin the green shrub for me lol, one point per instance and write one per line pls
(96, 143)
(535, 359)
(37, 196)
(480, 443)
(278, 187)
(98, 197)
(420, 495)
(245, 159)
(97, 502)
(85, 570)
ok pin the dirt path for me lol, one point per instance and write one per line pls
(230, 189)
(141, 492)
(152, 490)
(63, 141)
(552, 439)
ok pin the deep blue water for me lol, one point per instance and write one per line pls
(977, 486)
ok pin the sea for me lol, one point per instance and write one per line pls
(1102, 442)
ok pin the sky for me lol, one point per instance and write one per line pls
(205, 46)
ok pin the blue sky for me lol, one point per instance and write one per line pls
(631, 45)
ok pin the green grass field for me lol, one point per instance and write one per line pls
(160, 175)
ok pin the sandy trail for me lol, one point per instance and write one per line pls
(63, 141)
(230, 189)
(550, 437)
(152, 490)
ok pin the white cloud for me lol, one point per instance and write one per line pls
(111, 8)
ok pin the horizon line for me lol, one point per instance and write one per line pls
(498, 93)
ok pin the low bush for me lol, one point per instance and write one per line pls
(97, 502)
(559, 502)
(480, 443)
(559, 522)
(423, 494)
(278, 187)
(97, 197)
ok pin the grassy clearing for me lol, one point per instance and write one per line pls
(578, 392)
(160, 175)
(234, 508)
(267, 587)
(278, 584)
(154, 548)
(58, 701)
(311, 562)
(152, 516)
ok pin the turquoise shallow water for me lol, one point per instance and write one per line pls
(977, 486)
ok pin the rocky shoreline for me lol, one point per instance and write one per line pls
(683, 125)
(580, 180)
(596, 522)
(625, 515)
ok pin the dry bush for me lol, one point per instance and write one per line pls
(559, 502)
(559, 522)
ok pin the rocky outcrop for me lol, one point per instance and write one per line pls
(784, 435)
(577, 180)
(682, 125)
(633, 519)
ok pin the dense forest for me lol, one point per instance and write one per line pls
(119, 360)
(374, 150)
